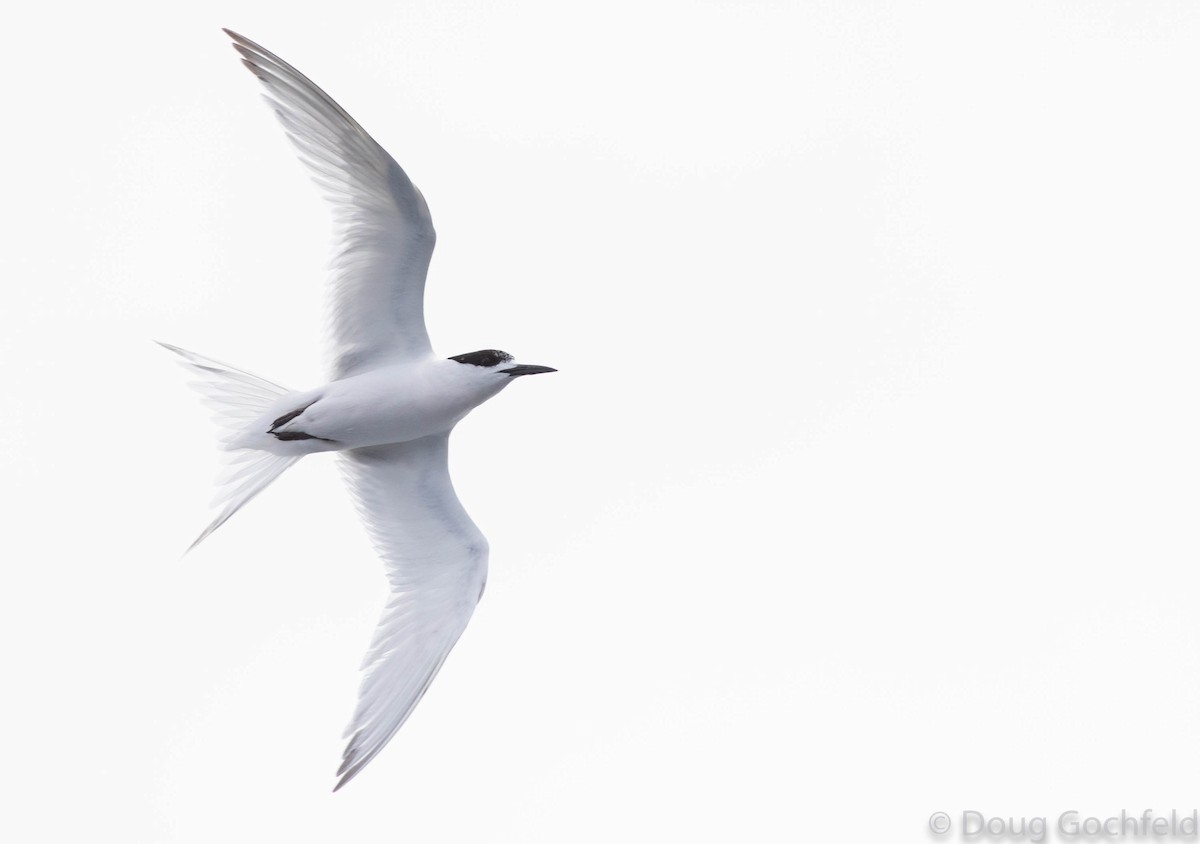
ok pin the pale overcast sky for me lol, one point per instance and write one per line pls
(867, 487)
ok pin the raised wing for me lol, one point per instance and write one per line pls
(383, 225)
(436, 561)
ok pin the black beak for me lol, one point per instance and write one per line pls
(526, 369)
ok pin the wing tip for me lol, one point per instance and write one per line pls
(349, 771)
(245, 46)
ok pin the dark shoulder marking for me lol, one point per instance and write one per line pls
(484, 357)
(288, 436)
(287, 417)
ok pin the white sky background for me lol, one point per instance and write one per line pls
(867, 487)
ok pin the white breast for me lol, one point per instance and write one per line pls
(392, 405)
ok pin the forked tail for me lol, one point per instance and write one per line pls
(238, 398)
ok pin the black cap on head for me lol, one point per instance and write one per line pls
(484, 357)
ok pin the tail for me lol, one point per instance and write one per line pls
(238, 399)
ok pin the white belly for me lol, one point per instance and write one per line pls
(390, 405)
(354, 419)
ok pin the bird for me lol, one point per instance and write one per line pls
(387, 410)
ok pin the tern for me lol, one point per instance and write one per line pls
(387, 411)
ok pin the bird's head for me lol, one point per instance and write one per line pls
(496, 367)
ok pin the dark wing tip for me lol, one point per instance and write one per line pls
(243, 44)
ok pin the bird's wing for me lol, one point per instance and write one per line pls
(436, 561)
(382, 223)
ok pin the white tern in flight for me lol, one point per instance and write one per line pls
(388, 409)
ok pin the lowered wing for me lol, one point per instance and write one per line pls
(436, 563)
